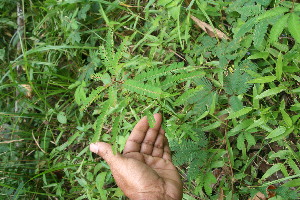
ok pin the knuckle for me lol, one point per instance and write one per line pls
(148, 142)
(134, 141)
(159, 146)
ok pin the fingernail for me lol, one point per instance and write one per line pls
(94, 148)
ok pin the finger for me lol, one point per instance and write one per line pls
(158, 149)
(137, 136)
(151, 136)
(167, 151)
(105, 151)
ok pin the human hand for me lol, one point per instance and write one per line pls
(144, 171)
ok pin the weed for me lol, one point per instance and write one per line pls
(224, 74)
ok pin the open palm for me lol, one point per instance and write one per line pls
(145, 170)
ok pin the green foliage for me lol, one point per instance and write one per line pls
(203, 98)
(286, 193)
(159, 72)
(191, 153)
(140, 88)
(294, 21)
(88, 70)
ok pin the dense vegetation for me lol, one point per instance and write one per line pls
(224, 74)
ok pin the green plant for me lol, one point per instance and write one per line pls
(91, 69)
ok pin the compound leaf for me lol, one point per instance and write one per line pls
(239, 113)
(143, 89)
(276, 132)
(273, 12)
(270, 92)
(293, 25)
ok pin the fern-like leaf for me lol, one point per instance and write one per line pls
(281, 47)
(109, 47)
(181, 78)
(95, 94)
(239, 113)
(249, 10)
(187, 95)
(245, 28)
(120, 52)
(209, 180)
(98, 125)
(277, 28)
(105, 78)
(236, 83)
(104, 55)
(96, 76)
(80, 93)
(143, 89)
(250, 140)
(109, 57)
(273, 12)
(190, 153)
(293, 25)
(202, 99)
(159, 72)
(259, 34)
(248, 65)
(287, 193)
(246, 8)
(263, 2)
(235, 103)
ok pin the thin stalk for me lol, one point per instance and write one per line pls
(20, 31)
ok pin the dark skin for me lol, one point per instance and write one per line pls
(145, 170)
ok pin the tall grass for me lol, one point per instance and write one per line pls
(245, 106)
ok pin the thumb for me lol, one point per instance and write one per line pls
(105, 151)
